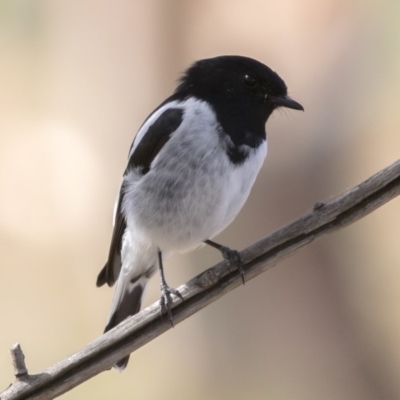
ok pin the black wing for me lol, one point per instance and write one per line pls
(143, 155)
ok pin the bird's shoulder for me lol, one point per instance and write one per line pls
(154, 134)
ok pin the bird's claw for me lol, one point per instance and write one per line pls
(166, 300)
(232, 258)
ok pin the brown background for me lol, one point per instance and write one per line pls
(77, 79)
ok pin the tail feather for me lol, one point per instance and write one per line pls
(127, 301)
(121, 364)
(102, 278)
(128, 306)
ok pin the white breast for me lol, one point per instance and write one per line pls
(240, 180)
(192, 191)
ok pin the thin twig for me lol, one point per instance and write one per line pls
(18, 360)
(100, 355)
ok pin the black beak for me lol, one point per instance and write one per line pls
(285, 101)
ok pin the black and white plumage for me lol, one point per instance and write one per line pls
(190, 170)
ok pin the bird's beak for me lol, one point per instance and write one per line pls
(285, 101)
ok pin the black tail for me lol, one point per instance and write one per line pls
(127, 302)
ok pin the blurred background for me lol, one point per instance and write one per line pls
(77, 79)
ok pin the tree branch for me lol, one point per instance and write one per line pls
(100, 355)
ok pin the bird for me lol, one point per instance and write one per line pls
(190, 169)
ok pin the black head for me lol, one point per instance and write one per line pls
(242, 91)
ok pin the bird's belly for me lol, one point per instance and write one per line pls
(177, 207)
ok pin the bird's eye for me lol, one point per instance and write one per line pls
(250, 80)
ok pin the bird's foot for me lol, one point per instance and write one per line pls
(166, 300)
(232, 258)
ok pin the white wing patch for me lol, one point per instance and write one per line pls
(150, 121)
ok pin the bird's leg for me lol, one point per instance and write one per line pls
(232, 257)
(166, 291)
